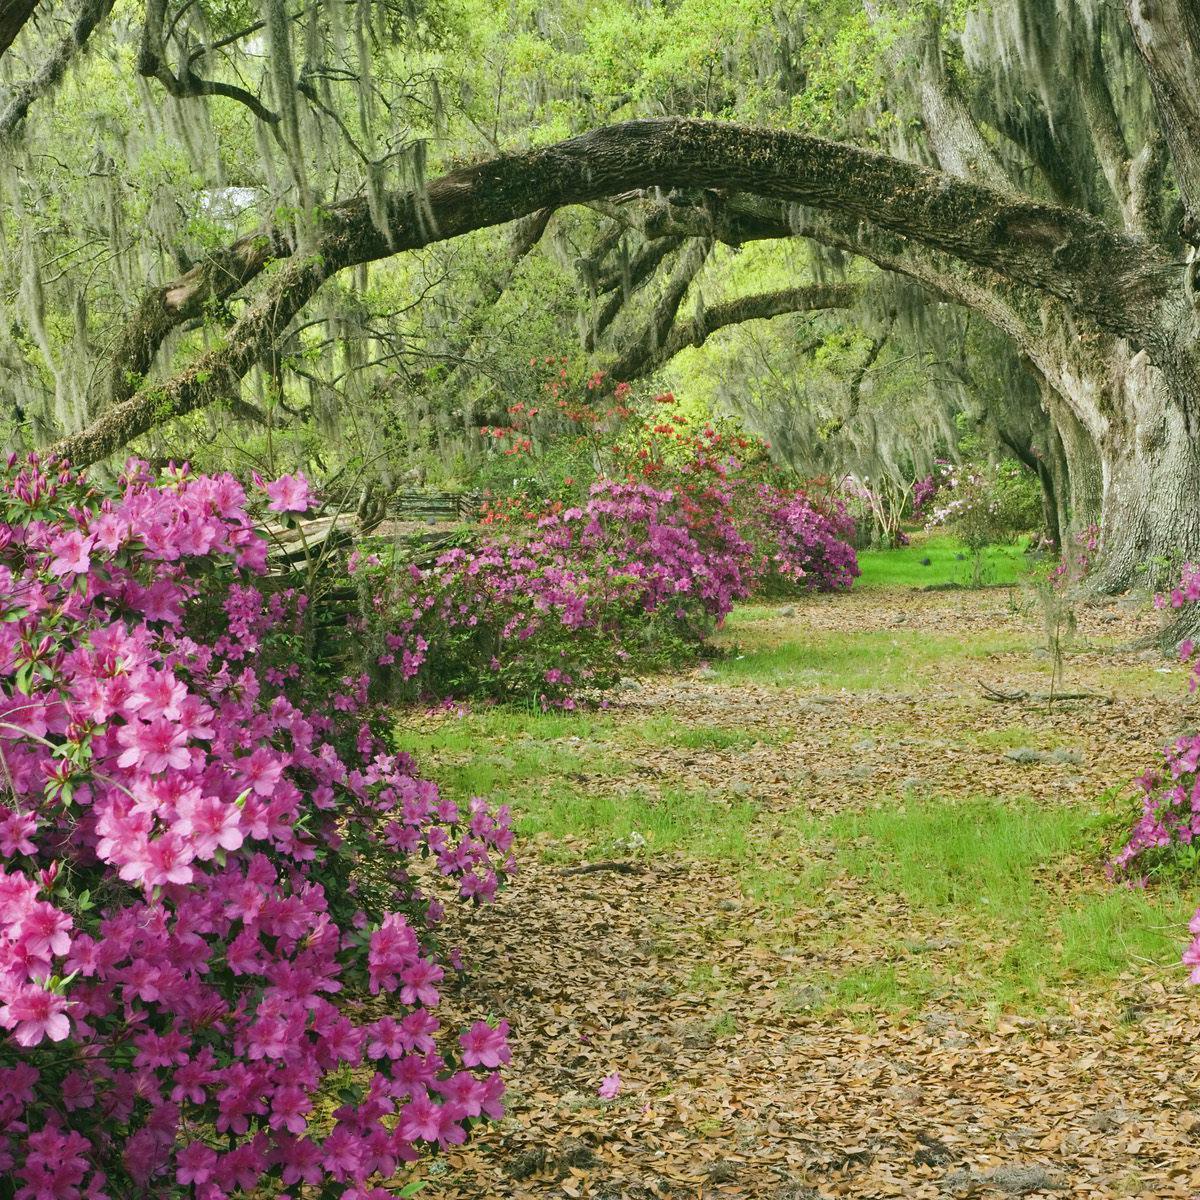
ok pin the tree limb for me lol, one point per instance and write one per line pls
(164, 309)
(623, 281)
(91, 13)
(760, 307)
(14, 15)
(953, 135)
(1116, 281)
(151, 63)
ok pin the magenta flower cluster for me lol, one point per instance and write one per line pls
(560, 607)
(207, 873)
(1170, 815)
(803, 547)
(590, 593)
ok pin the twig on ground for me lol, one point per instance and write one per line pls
(1020, 697)
(623, 868)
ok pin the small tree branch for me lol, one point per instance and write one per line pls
(91, 13)
(860, 373)
(151, 63)
(620, 284)
(634, 360)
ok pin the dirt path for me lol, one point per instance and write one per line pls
(736, 1081)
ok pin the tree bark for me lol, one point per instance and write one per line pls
(1167, 35)
(760, 307)
(14, 15)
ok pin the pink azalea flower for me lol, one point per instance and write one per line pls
(289, 493)
(484, 1046)
(609, 1087)
(35, 1013)
(71, 554)
(196, 1163)
(153, 745)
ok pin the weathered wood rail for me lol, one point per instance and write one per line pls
(405, 515)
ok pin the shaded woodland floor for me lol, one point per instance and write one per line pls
(859, 942)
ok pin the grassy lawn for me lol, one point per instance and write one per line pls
(993, 902)
(831, 661)
(938, 560)
(1003, 902)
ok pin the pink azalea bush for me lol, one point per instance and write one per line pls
(211, 921)
(636, 577)
(1169, 822)
(565, 605)
(801, 547)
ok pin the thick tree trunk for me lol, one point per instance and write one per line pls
(1051, 511)
(1134, 461)
(1150, 518)
(1167, 34)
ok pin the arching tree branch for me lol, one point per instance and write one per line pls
(760, 307)
(166, 308)
(1116, 281)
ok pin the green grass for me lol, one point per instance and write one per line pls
(975, 854)
(668, 731)
(987, 904)
(981, 883)
(905, 567)
(1012, 736)
(869, 660)
(677, 819)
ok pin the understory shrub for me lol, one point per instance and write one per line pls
(567, 598)
(213, 873)
(986, 505)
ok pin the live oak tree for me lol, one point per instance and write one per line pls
(1037, 167)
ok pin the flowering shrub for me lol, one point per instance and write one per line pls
(1169, 823)
(799, 540)
(206, 873)
(636, 571)
(926, 488)
(985, 505)
(800, 545)
(580, 584)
